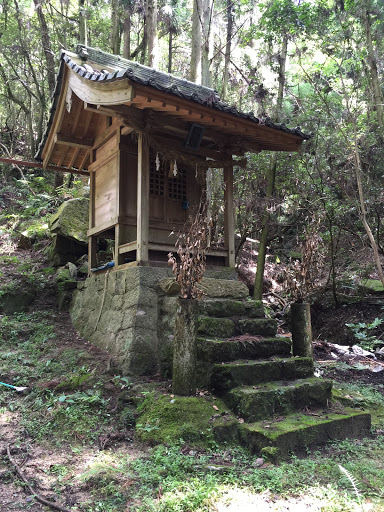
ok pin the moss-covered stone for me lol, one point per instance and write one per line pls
(271, 454)
(62, 249)
(372, 286)
(218, 351)
(297, 368)
(248, 373)
(223, 288)
(184, 348)
(16, 297)
(222, 308)
(164, 419)
(265, 400)
(216, 327)
(298, 431)
(258, 326)
(254, 309)
(71, 220)
(301, 329)
(226, 429)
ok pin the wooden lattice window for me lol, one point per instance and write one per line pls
(177, 186)
(156, 180)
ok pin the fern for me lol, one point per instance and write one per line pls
(352, 480)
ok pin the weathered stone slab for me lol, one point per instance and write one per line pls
(218, 351)
(258, 326)
(298, 431)
(223, 288)
(216, 327)
(248, 373)
(266, 400)
(222, 307)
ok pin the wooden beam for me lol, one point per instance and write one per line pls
(39, 165)
(84, 160)
(57, 122)
(74, 156)
(72, 141)
(128, 247)
(229, 224)
(142, 200)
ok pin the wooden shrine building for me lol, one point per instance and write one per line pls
(146, 140)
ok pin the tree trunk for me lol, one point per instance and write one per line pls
(170, 50)
(82, 23)
(358, 171)
(377, 95)
(115, 36)
(144, 42)
(46, 42)
(127, 34)
(258, 291)
(195, 69)
(207, 51)
(227, 57)
(153, 44)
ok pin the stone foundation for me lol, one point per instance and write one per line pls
(131, 313)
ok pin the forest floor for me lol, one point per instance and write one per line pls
(72, 431)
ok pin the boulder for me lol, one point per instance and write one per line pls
(16, 297)
(71, 220)
(69, 228)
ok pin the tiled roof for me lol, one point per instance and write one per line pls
(135, 72)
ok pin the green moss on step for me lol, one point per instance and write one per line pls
(247, 373)
(163, 418)
(217, 351)
(216, 327)
(258, 326)
(271, 453)
(298, 431)
(265, 400)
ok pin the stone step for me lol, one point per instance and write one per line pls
(227, 327)
(225, 308)
(258, 326)
(247, 373)
(296, 432)
(253, 403)
(219, 350)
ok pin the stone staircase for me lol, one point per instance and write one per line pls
(281, 406)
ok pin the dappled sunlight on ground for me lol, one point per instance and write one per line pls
(315, 500)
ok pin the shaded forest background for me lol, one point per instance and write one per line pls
(316, 64)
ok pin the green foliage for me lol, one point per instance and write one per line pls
(366, 339)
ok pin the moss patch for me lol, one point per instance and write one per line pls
(216, 327)
(164, 419)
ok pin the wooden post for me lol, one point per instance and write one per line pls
(92, 240)
(92, 248)
(301, 329)
(229, 228)
(142, 200)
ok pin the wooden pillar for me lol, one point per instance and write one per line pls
(229, 224)
(142, 199)
(92, 240)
